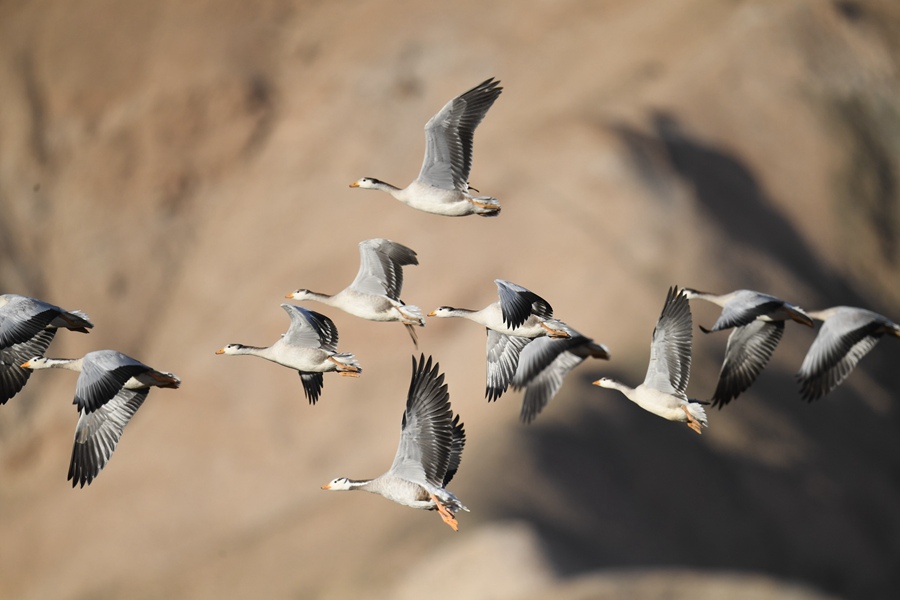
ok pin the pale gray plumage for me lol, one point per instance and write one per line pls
(27, 326)
(517, 317)
(309, 346)
(758, 320)
(442, 185)
(545, 362)
(429, 452)
(663, 390)
(375, 292)
(847, 334)
(111, 387)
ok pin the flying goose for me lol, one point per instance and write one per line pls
(375, 293)
(847, 334)
(309, 346)
(442, 186)
(110, 388)
(758, 321)
(27, 327)
(430, 450)
(519, 316)
(663, 389)
(544, 363)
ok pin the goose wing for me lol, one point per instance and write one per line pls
(670, 349)
(380, 267)
(449, 137)
(97, 434)
(748, 350)
(103, 374)
(518, 303)
(502, 360)
(426, 436)
(840, 344)
(542, 352)
(312, 385)
(543, 386)
(745, 306)
(457, 443)
(12, 376)
(310, 329)
(21, 318)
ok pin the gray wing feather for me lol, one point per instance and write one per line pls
(458, 442)
(380, 267)
(502, 361)
(426, 436)
(543, 387)
(670, 349)
(310, 329)
(518, 303)
(745, 306)
(747, 352)
(22, 318)
(449, 137)
(542, 352)
(312, 385)
(840, 344)
(103, 373)
(97, 435)
(13, 377)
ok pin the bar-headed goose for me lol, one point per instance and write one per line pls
(375, 293)
(430, 450)
(110, 388)
(518, 317)
(309, 346)
(847, 334)
(663, 390)
(545, 362)
(758, 321)
(27, 327)
(442, 186)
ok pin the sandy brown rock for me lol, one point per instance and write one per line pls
(174, 169)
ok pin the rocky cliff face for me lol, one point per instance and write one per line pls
(175, 169)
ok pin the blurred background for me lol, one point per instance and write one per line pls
(174, 169)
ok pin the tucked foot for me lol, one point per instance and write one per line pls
(344, 369)
(555, 333)
(692, 422)
(446, 515)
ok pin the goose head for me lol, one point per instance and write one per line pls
(341, 483)
(231, 349)
(368, 183)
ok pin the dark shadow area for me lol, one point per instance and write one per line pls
(731, 196)
(801, 499)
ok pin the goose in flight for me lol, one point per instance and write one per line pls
(430, 450)
(375, 293)
(27, 327)
(111, 387)
(847, 334)
(519, 316)
(309, 346)
(758, 322)
(663, 390)
(442, 186)
(545, 362)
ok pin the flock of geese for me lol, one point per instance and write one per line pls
(527, 348)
